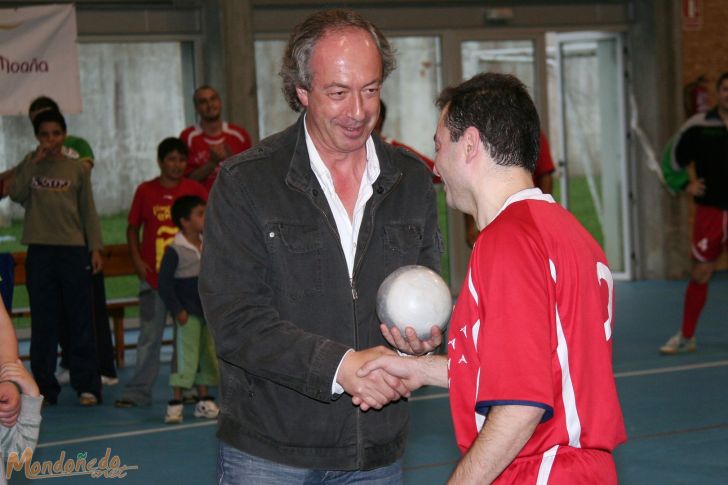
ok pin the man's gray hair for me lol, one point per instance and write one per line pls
(295, 70)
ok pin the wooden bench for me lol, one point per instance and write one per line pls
(117, 262)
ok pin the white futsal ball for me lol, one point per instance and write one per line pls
(414, 296)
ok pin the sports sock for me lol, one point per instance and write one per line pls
(695, 297)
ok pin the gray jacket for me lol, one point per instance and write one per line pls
(276, 292)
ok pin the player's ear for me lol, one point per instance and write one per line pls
(471, 140)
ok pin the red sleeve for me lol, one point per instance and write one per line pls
(185, 134)
(245, 144)
(136, 211)
(544, 164)
(515, 341)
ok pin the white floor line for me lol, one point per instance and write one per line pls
(675, 368)
(175, 427)
(442, 395)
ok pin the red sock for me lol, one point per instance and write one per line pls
(695, 297)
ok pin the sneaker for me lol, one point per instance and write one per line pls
(189, 396)
(63, 376)
(87, 399)
(124, 403)
(173, 415)
(109, 381)
(678, 344)
(206, 408)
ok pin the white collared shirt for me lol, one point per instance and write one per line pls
(348, 229)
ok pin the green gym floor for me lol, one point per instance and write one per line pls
(675, 409)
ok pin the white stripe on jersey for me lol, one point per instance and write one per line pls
(471, 287)
(476, 331)
(547, 461)
(479, 418)
(230, 131)
(197, 131)
(573, 424)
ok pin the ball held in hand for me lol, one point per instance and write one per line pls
(414, 296)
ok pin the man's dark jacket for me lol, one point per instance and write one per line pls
(282, 310)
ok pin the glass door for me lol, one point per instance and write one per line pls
(588, 138)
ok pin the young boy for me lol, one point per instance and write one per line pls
(24, 433)
(151, 212)
(60, 228)
(16, 436)
(194, 360)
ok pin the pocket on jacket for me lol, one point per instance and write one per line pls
(298, 252)
(402, 243)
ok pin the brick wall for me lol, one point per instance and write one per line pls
(705, 51)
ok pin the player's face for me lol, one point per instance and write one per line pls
(448, 155)
(723, 96)
(342, 105)
(50, 136)
(208, 105)
(173, 166)
(196, 221)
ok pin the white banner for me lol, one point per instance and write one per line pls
(39, 57)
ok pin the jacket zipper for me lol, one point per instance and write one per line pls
(355, 298)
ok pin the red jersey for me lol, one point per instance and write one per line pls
(152, 209)
(234, 138)
(532, 326)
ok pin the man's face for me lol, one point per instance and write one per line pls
(723, 96)
(342, 105)
(173, 165)
(50, 136)
(208, 105)
(448, 161)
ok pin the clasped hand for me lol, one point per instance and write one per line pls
(377, 376)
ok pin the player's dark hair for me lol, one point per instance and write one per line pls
(500, 108)
(51, 116)
(295, 69)
(169, 145)
(722, 78)
(42, 103)
(183, 206)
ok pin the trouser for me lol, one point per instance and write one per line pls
(104, 346)
(235, 467)
(59, 287)
(193, 361)
(152, 316)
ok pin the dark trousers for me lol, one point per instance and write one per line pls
(60, 288)
(104, 347)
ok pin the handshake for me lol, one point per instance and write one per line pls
(377, 376)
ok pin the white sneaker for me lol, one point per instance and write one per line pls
(63, 376)
(678, 344)
(206, 408)
(87, 399)
(173, 415)
(109, 381)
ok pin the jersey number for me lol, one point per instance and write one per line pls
(603, 273)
